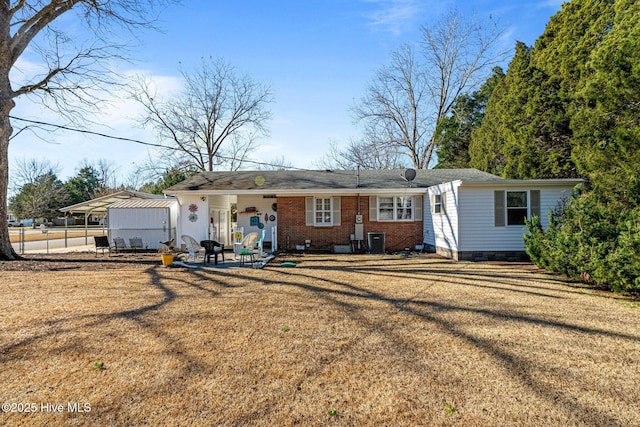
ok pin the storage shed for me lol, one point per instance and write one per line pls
(152, 220)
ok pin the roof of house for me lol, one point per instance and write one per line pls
(317, 180)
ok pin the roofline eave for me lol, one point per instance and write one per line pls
(296, 192)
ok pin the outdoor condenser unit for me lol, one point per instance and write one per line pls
(376, 243)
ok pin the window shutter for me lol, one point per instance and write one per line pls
(336, 210)
(417, 203)
(443, 202)
(373, 208)
(309, 211)
(498, 206)
(535, 202)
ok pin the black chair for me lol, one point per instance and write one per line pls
(214, 248)
(102, 243)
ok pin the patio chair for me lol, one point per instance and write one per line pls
(214, 248)
(193, 248)
(261, 242)
(247, 248)
(135, 243)
(102, 243)
(119, 245)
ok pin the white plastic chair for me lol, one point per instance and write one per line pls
(193, 248)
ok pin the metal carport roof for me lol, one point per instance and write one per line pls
(100, 204)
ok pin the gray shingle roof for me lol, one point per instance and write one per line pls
(274, 181)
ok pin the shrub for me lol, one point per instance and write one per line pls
(592, 240)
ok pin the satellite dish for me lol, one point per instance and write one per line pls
(409, 174)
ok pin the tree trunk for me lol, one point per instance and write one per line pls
(6, 104)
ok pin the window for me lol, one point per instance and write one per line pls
(516, 207)
(323, 211)
(395, 208)
(438, 203)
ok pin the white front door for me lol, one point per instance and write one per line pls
(219, 228)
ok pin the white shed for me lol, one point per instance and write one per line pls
(152, 220)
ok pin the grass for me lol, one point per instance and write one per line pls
(337, 340)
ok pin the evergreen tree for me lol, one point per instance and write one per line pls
(40, 198)
(594, 50)
(503, 122)
(454, 132)
(84, 186)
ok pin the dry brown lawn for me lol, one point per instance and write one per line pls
(337, 340)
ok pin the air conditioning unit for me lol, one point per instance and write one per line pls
(376, 243)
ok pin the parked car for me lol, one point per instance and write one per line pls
(14, 223)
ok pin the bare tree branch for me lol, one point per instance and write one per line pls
(409, 97)
(218, 115)
(72, 73)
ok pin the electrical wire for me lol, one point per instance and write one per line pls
(137, 141)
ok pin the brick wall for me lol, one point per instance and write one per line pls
(292, 229)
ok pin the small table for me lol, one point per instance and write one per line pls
(247, 257)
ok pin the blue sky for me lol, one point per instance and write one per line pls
(318, 57)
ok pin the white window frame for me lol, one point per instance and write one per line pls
(507, 208)
(397, 206)
(438, 203)
(323, 211)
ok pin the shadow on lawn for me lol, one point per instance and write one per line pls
(348, 297)
(425, 310)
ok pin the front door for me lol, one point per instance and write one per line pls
(219, 227)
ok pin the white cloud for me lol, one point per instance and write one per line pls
(395, 16)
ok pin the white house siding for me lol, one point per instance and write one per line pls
(443, 226)
(263, 206)
(477, 221)
(193, 223)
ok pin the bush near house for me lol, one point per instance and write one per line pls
(589, 240)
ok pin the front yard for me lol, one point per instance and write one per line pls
(336, 340)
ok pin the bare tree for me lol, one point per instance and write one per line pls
(70, 71)
(362, 154)
(107, 174)
(27, 171)
(394, 111)
(408, 98)
(214, 121)
(274, 164)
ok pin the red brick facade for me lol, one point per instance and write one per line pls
(292, 228)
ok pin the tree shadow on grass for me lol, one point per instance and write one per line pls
(425, 310)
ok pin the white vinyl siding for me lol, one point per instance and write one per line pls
(441, 229)
(477, 214)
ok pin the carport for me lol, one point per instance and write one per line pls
(101, 204)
